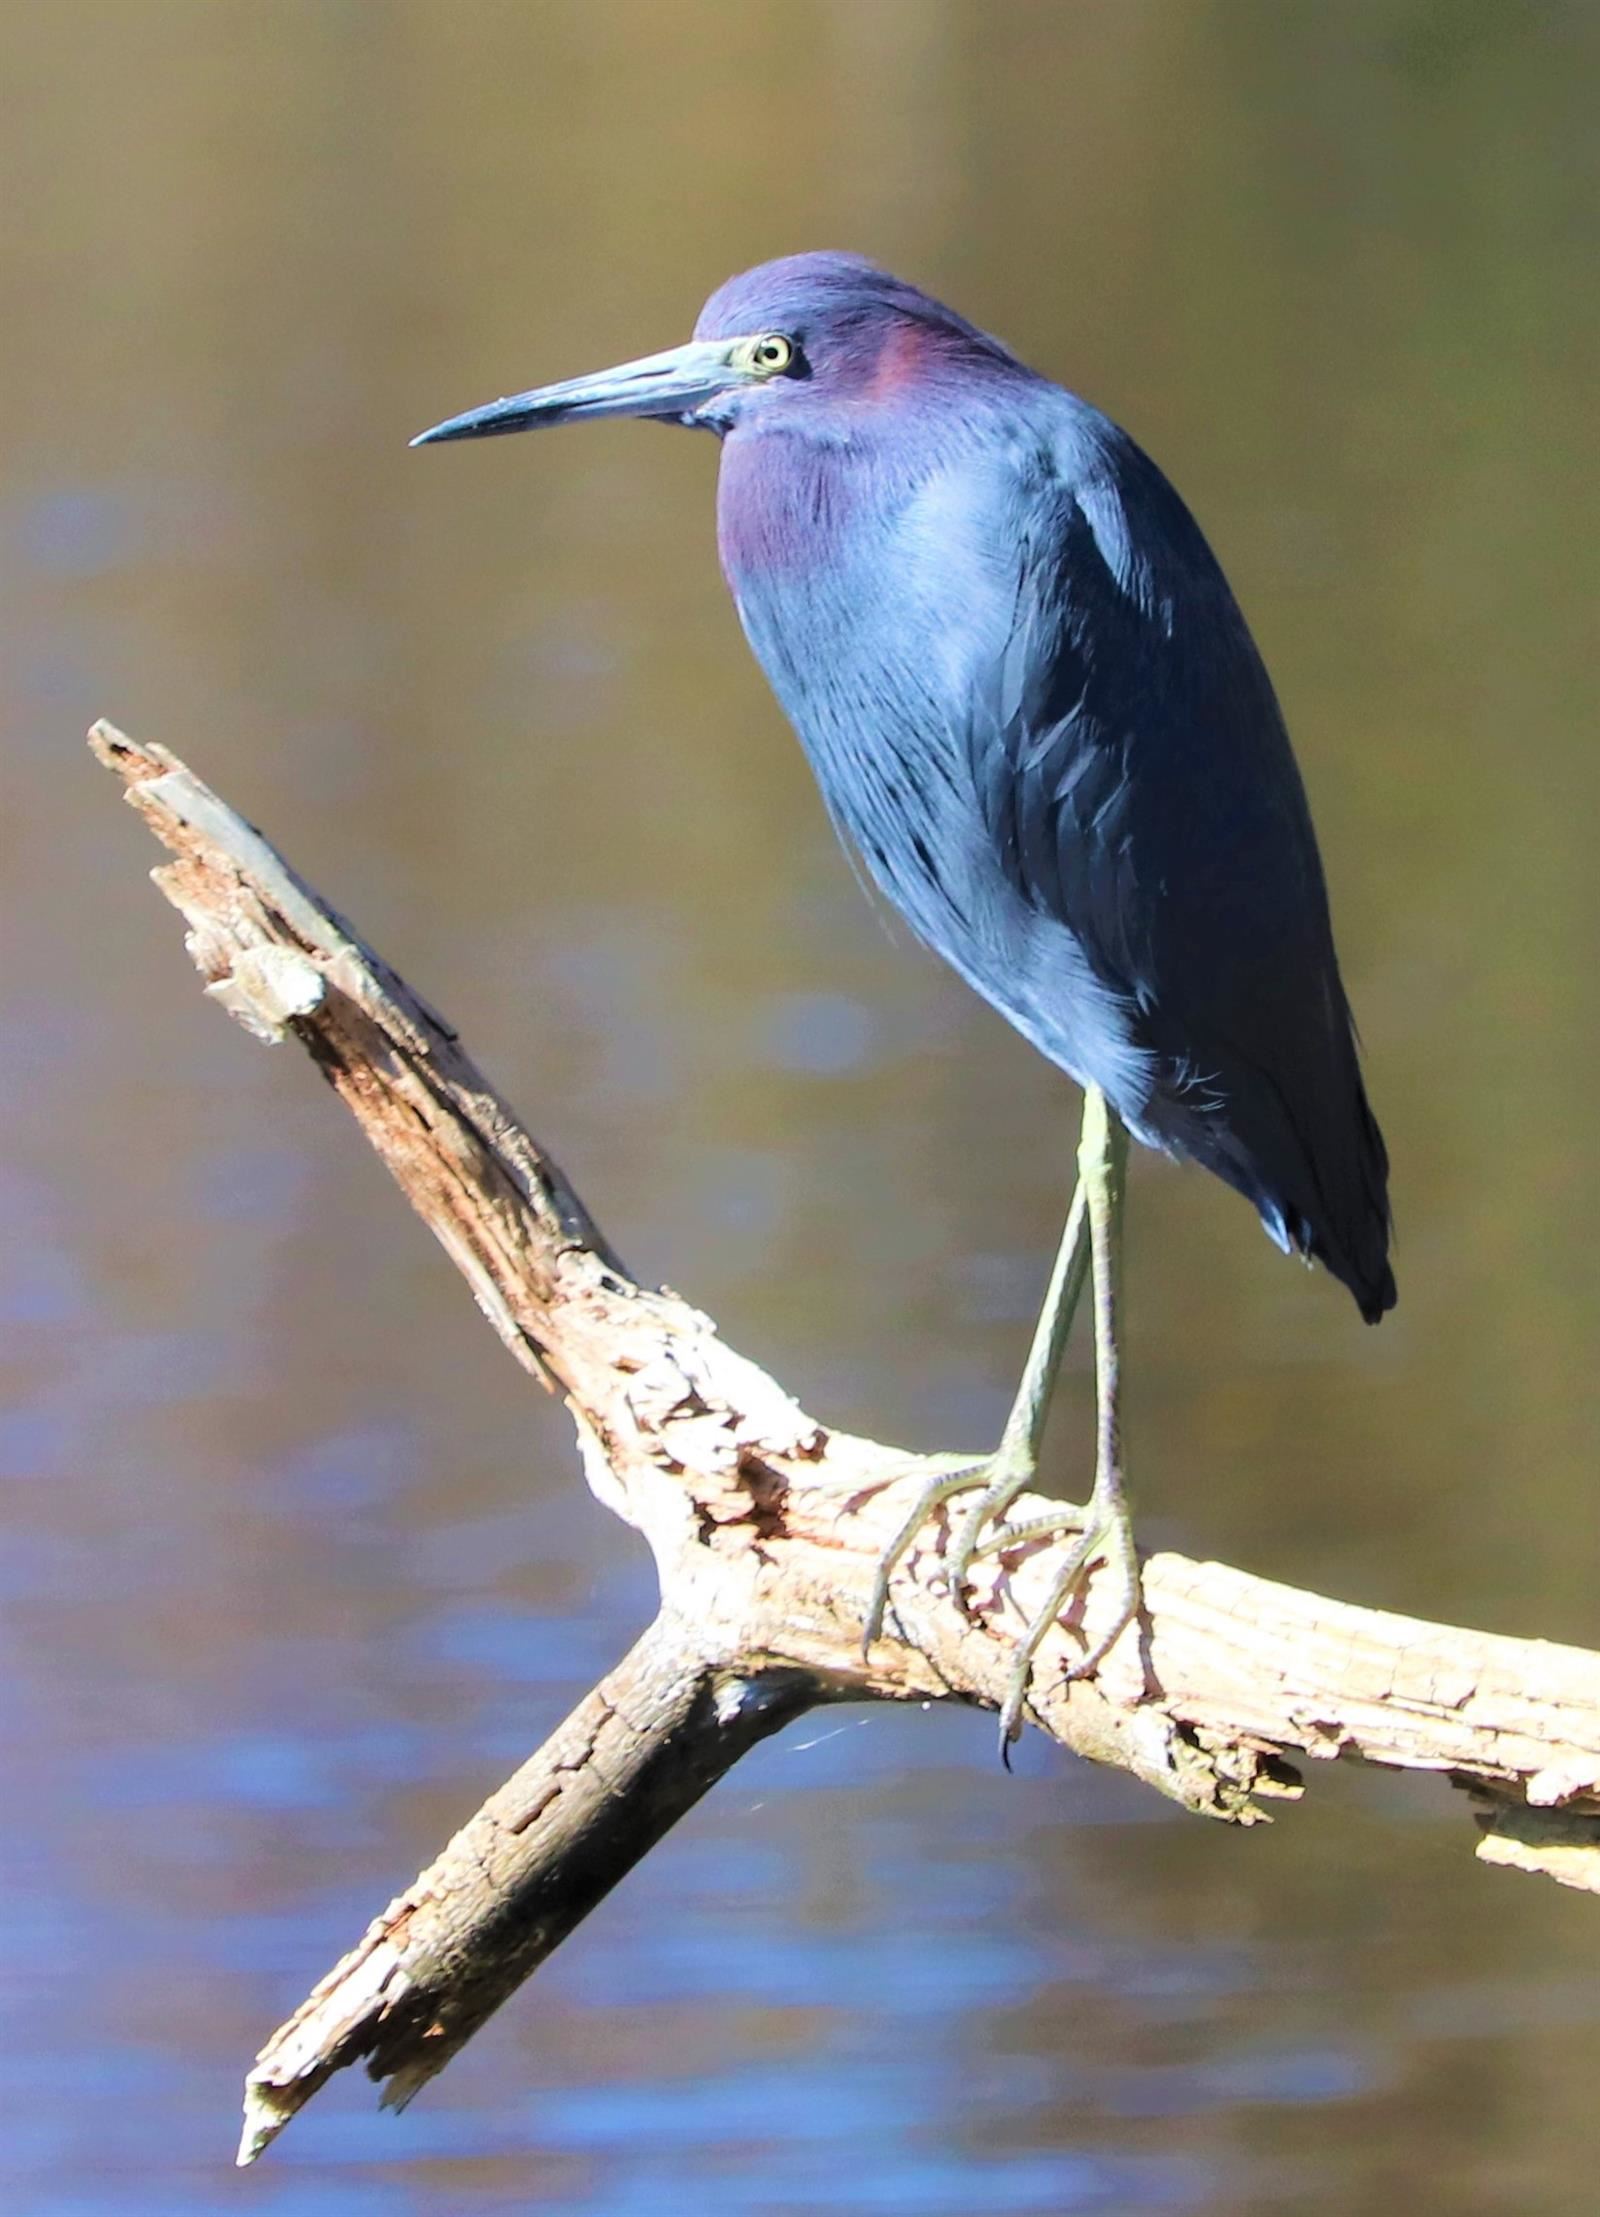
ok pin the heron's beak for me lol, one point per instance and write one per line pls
(671, 385)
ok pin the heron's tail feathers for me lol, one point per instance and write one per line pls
(1354, 1242)
(1315, 1168)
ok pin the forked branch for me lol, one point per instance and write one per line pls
(766, 1528)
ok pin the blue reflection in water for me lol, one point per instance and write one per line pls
(744, 1191)
(77, 530)
(816, 1034)
(34, 1443)
(819, 2141)
(519, 1646)
(40, 1284)
(1318, 2074)
(249, 1184)
(890, 1975)
(276, 1769)
(357, 1468)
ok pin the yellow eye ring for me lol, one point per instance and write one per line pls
(768, 356)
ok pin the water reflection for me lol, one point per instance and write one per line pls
(296, 1565)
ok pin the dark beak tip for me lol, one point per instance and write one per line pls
(492, 422)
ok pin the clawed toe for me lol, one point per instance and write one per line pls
(1106, 1535)
(955, 1475)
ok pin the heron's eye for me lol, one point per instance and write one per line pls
(768, 356)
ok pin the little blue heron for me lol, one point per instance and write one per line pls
(1036, 713)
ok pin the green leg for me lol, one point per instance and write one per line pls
(997, 1479)
(1104, 1527)
(1092, 1240)
(1015, 1465)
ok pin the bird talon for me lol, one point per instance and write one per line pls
(1105, 1536)
(877, 1609)
(953, 1474)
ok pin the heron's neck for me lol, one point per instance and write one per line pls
(794, 501)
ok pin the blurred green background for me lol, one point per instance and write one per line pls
(296, 1565)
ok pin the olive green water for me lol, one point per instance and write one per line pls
(296, 1565)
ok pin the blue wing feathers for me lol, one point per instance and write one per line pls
(1138, 782)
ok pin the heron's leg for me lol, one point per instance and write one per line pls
(1102, 1523)
(1015, 1463)
(1105, 1529)
(1011, 1469)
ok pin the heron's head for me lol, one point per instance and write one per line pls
(814, 338)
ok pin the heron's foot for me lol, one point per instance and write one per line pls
(1103, 1533)
(1105, 1537)
(997, 1479)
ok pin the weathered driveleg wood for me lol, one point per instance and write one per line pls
(767, 1529)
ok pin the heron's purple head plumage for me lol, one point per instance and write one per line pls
(865, 345)
(878, 380)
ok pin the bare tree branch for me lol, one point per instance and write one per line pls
(766, 1529)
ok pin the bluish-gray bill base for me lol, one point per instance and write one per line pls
(1036, 713)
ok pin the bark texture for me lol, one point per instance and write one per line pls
(766, 1528)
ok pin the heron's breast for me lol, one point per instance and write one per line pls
(858, 649)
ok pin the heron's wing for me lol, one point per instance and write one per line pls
(1131, 762)
(1137, 784)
